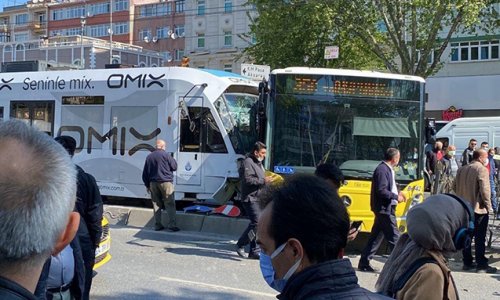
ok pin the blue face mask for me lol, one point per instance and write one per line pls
(267, 269)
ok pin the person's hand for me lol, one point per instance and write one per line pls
(401, 197)
(353, 232)
(268, 179)
(148, 190)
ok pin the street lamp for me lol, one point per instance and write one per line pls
(83, 20)
(110, 31)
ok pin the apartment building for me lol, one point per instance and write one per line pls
(217, 33)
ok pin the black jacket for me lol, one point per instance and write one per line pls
(89, 205)
(381, 193)
(10, 290)
(334, 279)
(252, 177)
(158, 167)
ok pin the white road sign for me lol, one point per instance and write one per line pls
(255, 72)
(331, 52)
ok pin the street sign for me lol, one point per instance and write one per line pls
(331, 52)
(255, 72)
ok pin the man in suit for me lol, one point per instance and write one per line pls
(472, 183)
(384, 198)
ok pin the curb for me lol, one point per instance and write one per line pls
(143, 217)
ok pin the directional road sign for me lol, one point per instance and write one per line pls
(255, 72)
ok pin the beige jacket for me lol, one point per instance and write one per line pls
(472, 183)
(430, 282)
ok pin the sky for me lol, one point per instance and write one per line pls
(4, 3)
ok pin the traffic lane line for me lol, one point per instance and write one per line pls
(217, 287)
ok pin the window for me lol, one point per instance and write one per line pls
(1, 113)
(98, 30)
(228, 38)
(179, 53)
(4, 37)
(228, 67)
(144, 33)
(201, 40)
(179, 30)
(474, 51)
(202, 134)
(21, 19)
(120, 28)
(99, 8)
(120, 5)
(20, 37)
(162, 32)
(179, 5)
(228, 6)
(58, 14)
(201, 7)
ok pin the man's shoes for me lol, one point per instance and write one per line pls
(367, 268)
(240, 251)
(486, 269)
(253, 255)
(469, 267)
(158, 228)
(173, 229)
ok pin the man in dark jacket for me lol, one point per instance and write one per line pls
(302, 230)
(253, 179)
(89, 205)
(384, 198)
(468, 152)
(158, 177)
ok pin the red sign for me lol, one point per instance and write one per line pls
(452, 113)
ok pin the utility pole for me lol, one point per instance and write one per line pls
(110, 31)
(83, 20)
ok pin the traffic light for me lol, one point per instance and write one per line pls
(185, 61)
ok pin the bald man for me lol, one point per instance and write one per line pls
(158, 178)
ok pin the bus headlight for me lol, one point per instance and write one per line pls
(416, 200)
(346, 200)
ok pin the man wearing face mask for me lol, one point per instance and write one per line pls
(472, 183)
(253, 179)
(302, 230)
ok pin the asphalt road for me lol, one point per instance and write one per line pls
(163, 265)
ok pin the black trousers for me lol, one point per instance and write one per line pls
(244, 239)
(384, 226)
(480, 230)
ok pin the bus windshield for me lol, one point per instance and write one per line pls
(351, 128)
(238, 113)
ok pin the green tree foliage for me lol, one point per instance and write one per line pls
(404, 33)
(400, 34)
(295, 33)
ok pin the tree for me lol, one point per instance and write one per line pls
(295, 33)
(404, 34)
(399, 34)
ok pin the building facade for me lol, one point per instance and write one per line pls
(217, 33)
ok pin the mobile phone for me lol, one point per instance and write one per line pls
(356, 224)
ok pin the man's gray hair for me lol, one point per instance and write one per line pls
(37, 192)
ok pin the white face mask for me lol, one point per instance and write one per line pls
(486, 162)
(295, 266)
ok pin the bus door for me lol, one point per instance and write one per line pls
(189, 156)
(39, 114)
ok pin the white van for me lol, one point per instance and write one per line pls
(459, 131)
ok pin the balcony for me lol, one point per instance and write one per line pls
(37, 27)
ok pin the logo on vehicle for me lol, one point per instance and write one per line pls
(188, 167)
(5, 84)
(117, 81)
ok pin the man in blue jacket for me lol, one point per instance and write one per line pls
(384, 198)
(158, 177)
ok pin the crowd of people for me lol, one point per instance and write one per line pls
(298, 230)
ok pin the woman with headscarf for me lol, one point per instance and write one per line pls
(440, 225)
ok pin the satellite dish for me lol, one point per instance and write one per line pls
(155, 39)
(35, 1)
(146, 39)
(174, 36)
(170, 32)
